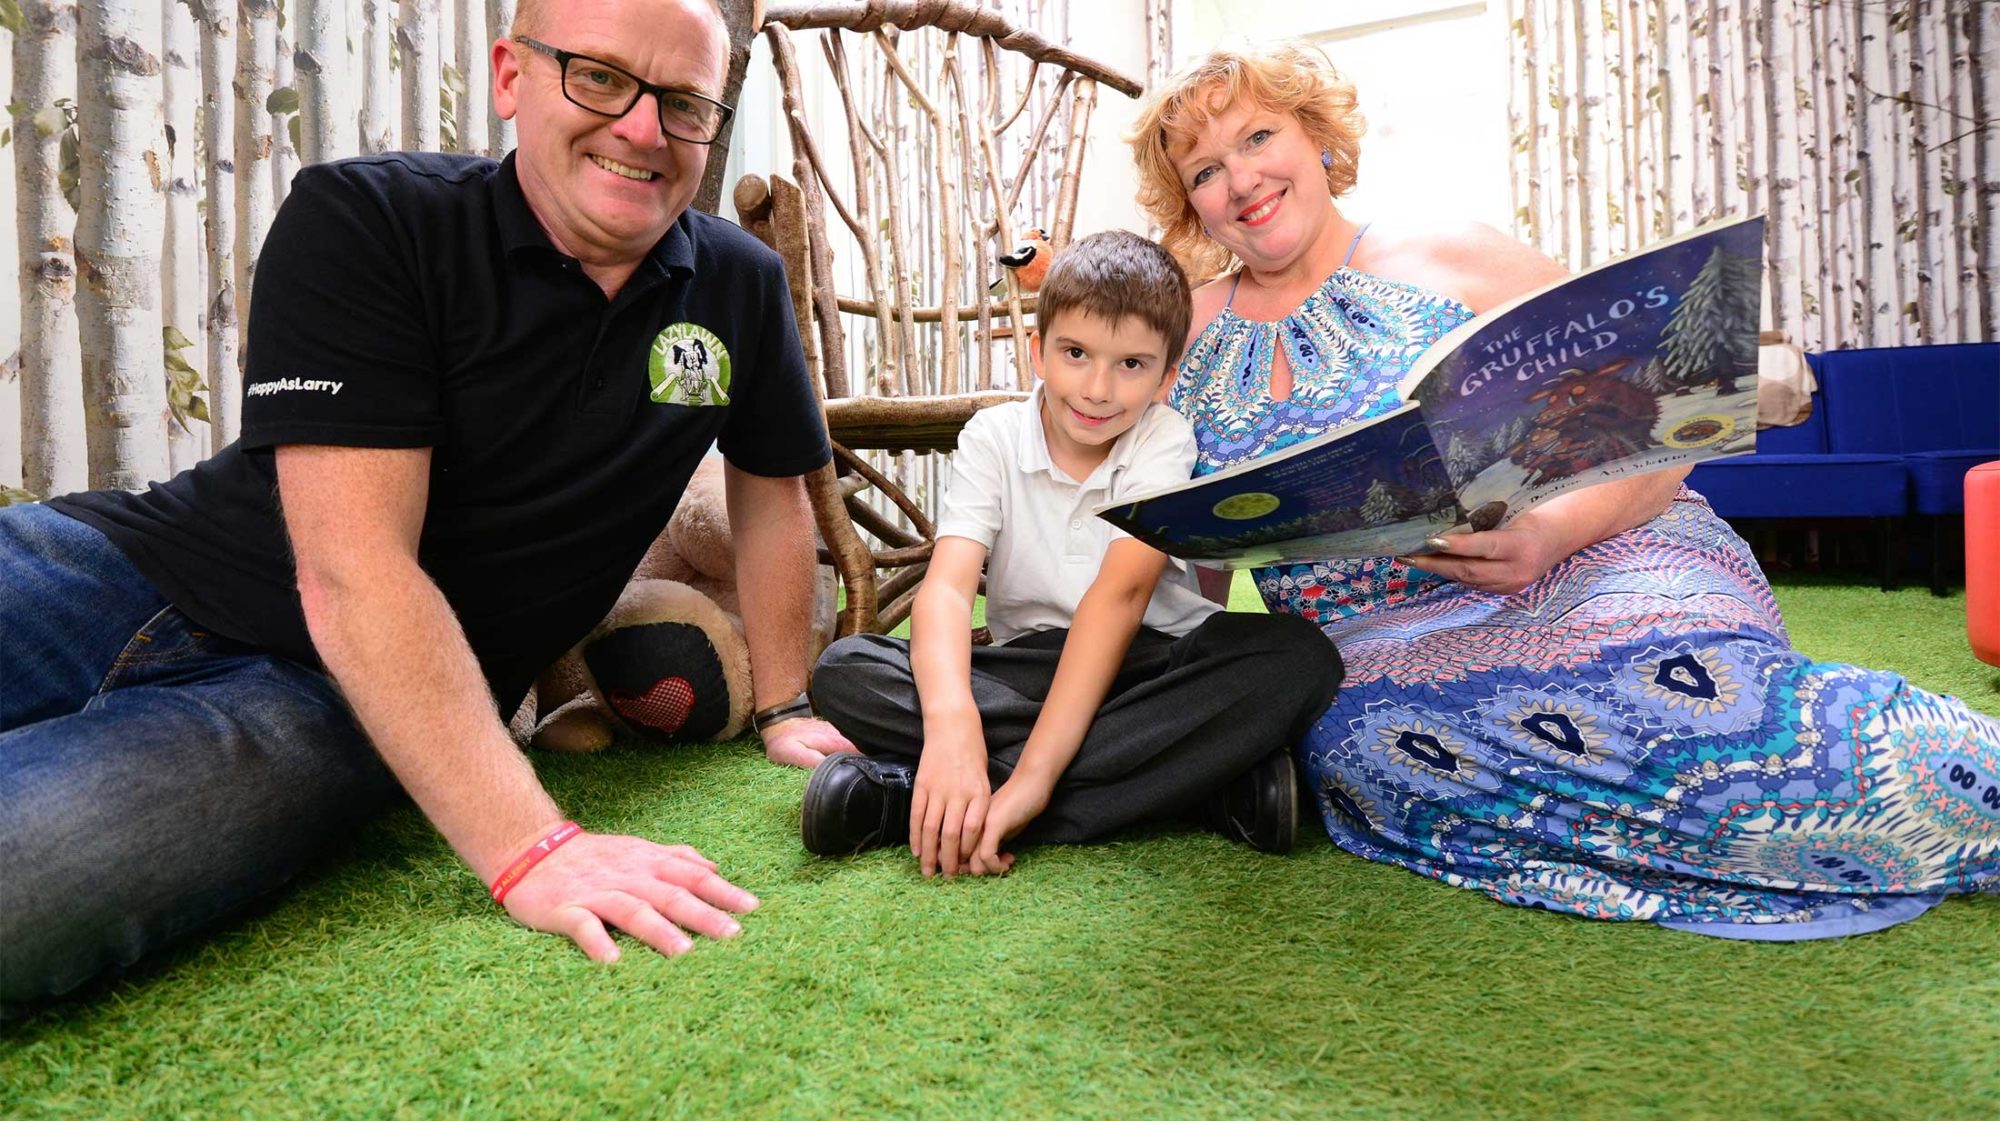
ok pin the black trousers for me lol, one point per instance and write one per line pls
(1184, 715)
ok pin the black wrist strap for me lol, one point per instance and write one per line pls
(798, 706)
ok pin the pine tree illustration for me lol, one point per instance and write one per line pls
(1461, 459)
(1380, 507)
(1508, 436)
(1746, 290)
(1703, 337)
(1652, 377)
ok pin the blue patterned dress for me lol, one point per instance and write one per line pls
(1631, 737)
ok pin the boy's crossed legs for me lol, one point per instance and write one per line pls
(1185, 719)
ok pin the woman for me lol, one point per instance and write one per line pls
(1595, 708)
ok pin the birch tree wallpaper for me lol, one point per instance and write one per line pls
(151, 141)
(1863, 128)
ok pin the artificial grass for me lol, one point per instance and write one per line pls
(1168, 975)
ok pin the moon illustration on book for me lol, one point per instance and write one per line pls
(1243, 507)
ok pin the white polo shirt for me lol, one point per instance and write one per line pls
(1044, 546)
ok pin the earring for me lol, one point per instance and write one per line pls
(1326, 158)
(1206, 232)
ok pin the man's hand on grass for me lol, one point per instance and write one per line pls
(655, 893)
(948, 804)
(803, 742)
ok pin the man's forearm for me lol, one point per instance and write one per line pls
(402, 661)
(775, 570)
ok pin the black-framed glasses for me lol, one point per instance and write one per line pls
(612, 91)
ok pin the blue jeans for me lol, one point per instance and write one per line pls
(153, 776)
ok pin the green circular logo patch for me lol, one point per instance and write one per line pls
(688, 366)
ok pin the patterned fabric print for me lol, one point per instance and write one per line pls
(1709, 776)
(1348, 345)
(1630, 738)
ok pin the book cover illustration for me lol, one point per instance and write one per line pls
(1643, 363)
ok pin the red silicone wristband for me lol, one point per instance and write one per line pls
(559, 836)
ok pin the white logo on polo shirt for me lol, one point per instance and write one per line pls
(688, 366)
(294, 385)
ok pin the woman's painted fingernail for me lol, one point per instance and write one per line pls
(1437, 543)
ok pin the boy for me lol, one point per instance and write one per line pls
(1114, 694)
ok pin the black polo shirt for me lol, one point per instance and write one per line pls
(412, 300)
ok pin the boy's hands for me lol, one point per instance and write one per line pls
(1019, 801)
(948, 804)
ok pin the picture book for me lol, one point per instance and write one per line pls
(1642, 363)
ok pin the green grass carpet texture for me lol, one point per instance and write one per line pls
(1168, 975)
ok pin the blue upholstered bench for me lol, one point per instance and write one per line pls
(1938, 407)
(1893, 432)
(1796, 474)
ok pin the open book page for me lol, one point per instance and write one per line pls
(1646, 362)
(1377, 488)
(1640, 364)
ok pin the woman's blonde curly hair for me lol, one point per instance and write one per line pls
(1291, 77)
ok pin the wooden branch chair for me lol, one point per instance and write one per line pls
(917, 391)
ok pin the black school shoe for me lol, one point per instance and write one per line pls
(1260, 808)
(854, 802)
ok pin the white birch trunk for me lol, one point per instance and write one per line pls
(1963, 160)
(1654, 78)
(51, 376)
(1986, 91)
(118, 237)
(469, 43)
(1684, 143)
(1877, 154)
(1852, 112)
(1728, 110)
(1831, 118)
(1621, 148)
(1752, 156)
(499, 23)
(1778, 18)
(10, 312)
(319, 65)
(218, 141)
(180, 304)
(1932, 266)
(1520, 96)
(284, 154)
(1546, 186)
(378, 120)
(416, 40)
(1903, 189)
(1640, 141)
(1563, 97)
(256, 47)
(1590, 171)
(1813, 223)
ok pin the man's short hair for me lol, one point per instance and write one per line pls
(1116, 274)
(530, 19)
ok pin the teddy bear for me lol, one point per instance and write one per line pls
(668, 664)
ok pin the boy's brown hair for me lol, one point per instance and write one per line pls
(1116, 274)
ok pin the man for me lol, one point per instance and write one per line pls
(452, 388)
